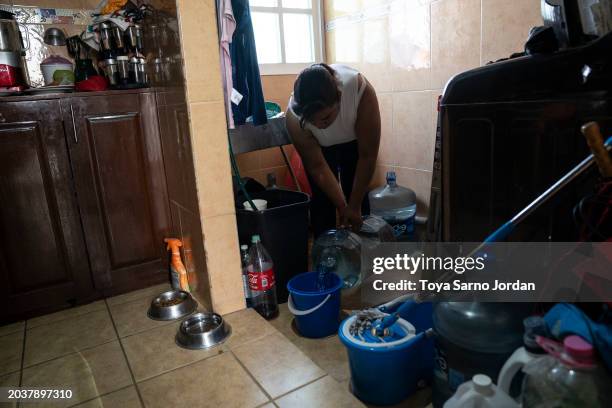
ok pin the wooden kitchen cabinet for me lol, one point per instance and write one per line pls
(120, 182)
(43, 259)
(83, 200)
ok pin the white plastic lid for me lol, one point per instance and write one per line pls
(482, 383)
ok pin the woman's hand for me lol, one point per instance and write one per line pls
(351, 217)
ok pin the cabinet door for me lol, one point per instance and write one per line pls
(121, 188)
(43, 261)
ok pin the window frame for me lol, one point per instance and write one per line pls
(284, 68)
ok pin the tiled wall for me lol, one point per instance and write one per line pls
(27, 12)
(208, 130)
(257, 165)
(408, 50)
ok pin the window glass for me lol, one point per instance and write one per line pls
(267, 37)
(263, 3)
(301, 4)
(298, 37)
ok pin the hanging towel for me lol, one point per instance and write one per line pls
(245, 71)
(227, 26)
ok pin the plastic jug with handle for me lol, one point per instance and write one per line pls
(531, 350)
(480, 393)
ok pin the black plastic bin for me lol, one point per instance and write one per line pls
(283, 228)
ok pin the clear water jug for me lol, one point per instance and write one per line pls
(570, 376)
(339, 251)
(396, 205)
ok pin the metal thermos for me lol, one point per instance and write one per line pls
(137, 71)
(123, 66)
(112, 71)
(106, 35)
(118, 38)
(133, 36)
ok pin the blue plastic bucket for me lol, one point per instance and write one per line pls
(388, 374)
(316, 312)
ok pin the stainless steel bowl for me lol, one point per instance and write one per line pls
(172, 305)
(54, 36)
(202, 330)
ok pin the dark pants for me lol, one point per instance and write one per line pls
(342, 160)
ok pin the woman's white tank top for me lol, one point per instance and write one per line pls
(342, 130)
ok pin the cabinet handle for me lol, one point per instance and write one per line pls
(2, 118)
(76, 138)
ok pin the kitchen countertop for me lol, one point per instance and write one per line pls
(19, 98)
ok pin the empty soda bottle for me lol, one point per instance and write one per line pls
(261, 280)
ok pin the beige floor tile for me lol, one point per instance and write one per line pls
(64, 314)
(268, 405)
(11, 380)
(11, 351)
(247, 325)
(131, 317)
(11, 328)
(154, 352)
(328, 353)
(277, 364)
(284, 322)
(323, 393)
(125, 398)
(215, 382)
(149, 292)
(92, 372)
(67, 336)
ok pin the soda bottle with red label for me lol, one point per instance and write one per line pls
(261, 280)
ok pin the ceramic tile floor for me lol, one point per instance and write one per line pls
(110, 354)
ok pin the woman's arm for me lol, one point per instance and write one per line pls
(367, 128)
(314, 162)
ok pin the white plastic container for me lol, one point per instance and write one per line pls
(52, 64)
(531, 350)
(480, 393)
(259, 204)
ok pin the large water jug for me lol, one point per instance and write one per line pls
(396, 205)
(473, 338)
(339, 251)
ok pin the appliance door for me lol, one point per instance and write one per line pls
(497, 158)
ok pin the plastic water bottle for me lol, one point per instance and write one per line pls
(327, 264)
(244, 256)
(570, 376)
(261, 280)
(396, 205)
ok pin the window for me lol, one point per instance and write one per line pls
(287, 34)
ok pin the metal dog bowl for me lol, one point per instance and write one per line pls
(202, 330)
(172, 305)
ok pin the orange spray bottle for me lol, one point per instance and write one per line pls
(178, 272)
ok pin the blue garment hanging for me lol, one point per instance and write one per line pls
(245, 69)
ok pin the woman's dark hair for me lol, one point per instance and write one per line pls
(315, 88)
